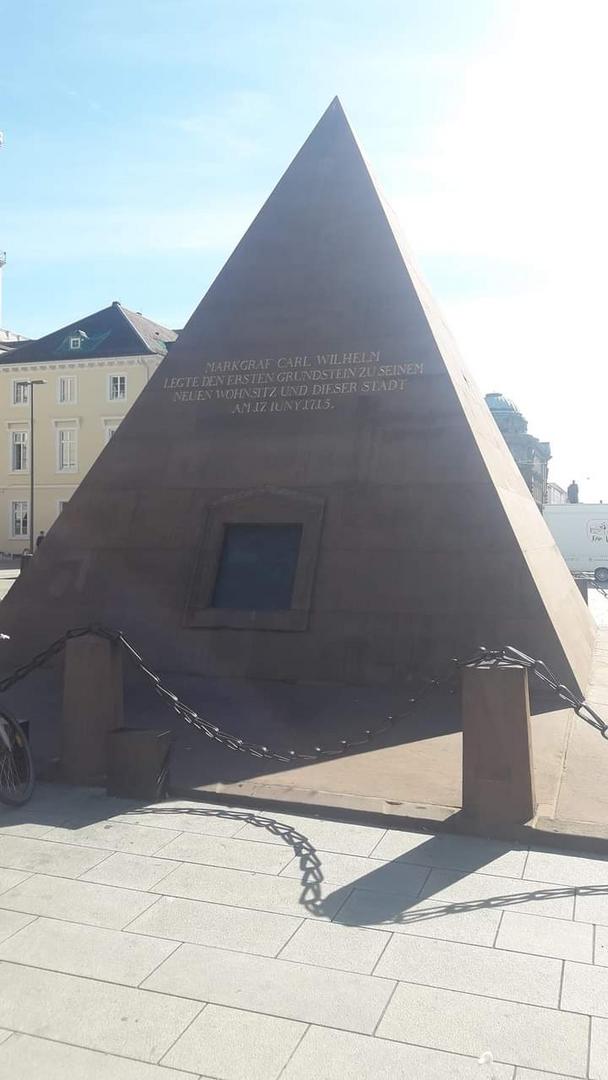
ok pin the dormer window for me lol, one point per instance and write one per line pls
(75, 343)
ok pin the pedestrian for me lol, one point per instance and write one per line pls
(39, 539)
(573, 492)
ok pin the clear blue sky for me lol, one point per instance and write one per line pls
(141, 138)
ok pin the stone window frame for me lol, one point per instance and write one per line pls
(266, 506)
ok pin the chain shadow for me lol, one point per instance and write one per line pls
(310, 864)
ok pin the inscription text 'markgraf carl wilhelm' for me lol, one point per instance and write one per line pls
(291, 383)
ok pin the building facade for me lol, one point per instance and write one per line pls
(531, 455)
(90, 374)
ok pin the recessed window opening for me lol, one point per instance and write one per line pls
(257, 567)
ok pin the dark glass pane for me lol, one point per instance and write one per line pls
(257, 567)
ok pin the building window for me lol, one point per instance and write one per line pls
(19, 519)
(75, 343)
(117, 387)
(66, 449)
(61, 505)
(257, 567)
(21, 392)
(19, 451)
(66, 389)
(111, 427)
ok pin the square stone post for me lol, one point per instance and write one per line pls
(92, 706)
(497, 773)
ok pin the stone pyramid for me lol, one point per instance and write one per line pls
(311, 489)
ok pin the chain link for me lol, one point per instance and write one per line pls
(507, 657)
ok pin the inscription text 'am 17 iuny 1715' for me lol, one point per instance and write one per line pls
(291, 383)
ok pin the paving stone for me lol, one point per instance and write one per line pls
(86, 950)
(244, 889)
(28, 1058)
(599, 1049)
(79, 901)
(337, 869)
(532, 1074)
(453, 853)
(325, 835)
(384, 911)
(469, 1024)
(279, 987)
(236, 1045)
(562, 938)
(329, 945)
(226, 851)
(10, 878)
(4, 1035)
(567, 869)
(198, 923)
(11, 921)
(188, 817)
(585, 989)
(592, 906)
(42, 857)
(117, 836)
(528, 897)
(601, 945)
(97, 1015)
(470, 968)
(130, 871)
(326, 1054)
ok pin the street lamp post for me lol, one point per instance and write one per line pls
(32, 383)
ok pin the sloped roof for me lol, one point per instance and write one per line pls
(113, 331)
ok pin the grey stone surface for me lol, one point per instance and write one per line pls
(116, 836)
(528, 897)
(130, 871)
(335, 836)
(601, 947)
(98, 1015)
(10, 878)
(198, 923)
(567, 869)
(562, 938)
(494, 973)
(598, 1058)
(84, 950)
(243, 889)
(27, 1058)
(236, 1045)
(229, 852)
(427, 919)
(180, 815)
(43, 857)
(469, 1024)
(11, 921)
(330, 945)
(533, 1074)
(452, 853)
(366, 873)
(81, 901)
(585, 989)
(4, 1035)
(336, 1055)
(592, 906)
(277, 987)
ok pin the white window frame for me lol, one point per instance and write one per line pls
(75, 342)
(111, 425)
(73, 381)
(61, 504)
(12, 431)
(11, 519)
(117, 375)
(27, 391)
(60, 429)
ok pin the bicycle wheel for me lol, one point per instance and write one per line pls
(16, 768)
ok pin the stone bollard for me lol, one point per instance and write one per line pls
(497, 768)
(92, 706)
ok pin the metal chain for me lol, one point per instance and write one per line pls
(509, 657)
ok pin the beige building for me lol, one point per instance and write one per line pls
(92, 371)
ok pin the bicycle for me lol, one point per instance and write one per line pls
(16, 766)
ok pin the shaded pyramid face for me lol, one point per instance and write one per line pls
(310, 488)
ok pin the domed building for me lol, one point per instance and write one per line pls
(531, 455)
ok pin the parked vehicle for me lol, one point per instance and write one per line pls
(581, 534)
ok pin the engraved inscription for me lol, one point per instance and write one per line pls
(291, 383)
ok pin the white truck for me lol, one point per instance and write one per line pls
(581, 533)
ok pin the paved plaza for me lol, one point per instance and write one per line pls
(187, 940)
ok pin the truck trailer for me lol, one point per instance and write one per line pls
(581, 533)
